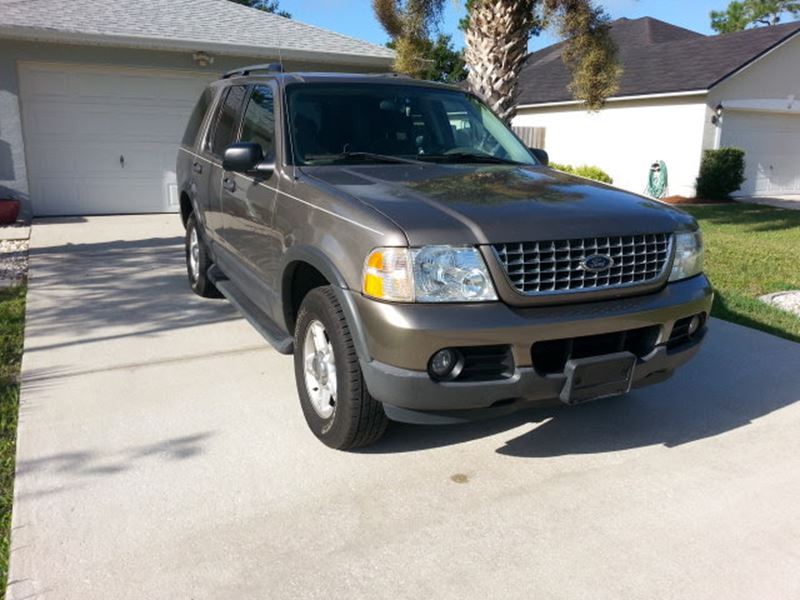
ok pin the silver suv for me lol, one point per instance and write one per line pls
(419, 261)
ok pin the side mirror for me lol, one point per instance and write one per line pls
(246, 157)
(540, 155)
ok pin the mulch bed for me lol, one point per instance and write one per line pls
(13, 262)
(685, 200)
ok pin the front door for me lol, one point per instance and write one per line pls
(248, 202)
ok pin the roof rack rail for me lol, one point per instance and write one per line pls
(244, 71)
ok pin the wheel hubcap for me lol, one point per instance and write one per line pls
(194, 255)
(320, 369)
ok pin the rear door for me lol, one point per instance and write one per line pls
(191, 168)
(248, 202)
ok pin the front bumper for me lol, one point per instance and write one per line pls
(395, 342)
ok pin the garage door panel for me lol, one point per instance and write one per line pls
(79, 121)
(50, 196)
(95, 86)
(53, 159)
(57, 158)
(128, 196)
(146, 159)
(772, 150)
(126, 123)
(45, 83)
(69, 196)
(46, 122)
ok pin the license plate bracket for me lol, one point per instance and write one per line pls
(597, 377)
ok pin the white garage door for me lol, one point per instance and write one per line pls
(104, 140)
(772, 147)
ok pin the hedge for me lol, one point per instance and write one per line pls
(588, 171)
(721, 173)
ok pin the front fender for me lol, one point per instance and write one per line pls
(316, 258)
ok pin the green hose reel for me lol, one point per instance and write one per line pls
(657, 180)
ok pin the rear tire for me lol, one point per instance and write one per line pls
(333, 395)
(198, 261)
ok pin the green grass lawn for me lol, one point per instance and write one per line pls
(752, 250)
(12, 323)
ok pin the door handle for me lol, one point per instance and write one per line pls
(197, 167)
(121, 161)
(229, 184)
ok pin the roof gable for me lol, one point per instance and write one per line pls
(225, 26)
(657, 58)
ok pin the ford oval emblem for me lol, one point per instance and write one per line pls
(597, 263)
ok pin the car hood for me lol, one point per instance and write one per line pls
(468, 204)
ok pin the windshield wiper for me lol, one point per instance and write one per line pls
(364, 156)
(469, 157)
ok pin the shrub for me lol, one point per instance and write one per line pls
(721, 173)
(588, 171)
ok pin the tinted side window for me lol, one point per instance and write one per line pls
(196, 119)
(227, 119)
(259, 120)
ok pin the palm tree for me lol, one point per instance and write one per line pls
(497, 35)
(409, 23)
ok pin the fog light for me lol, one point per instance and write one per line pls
(694, 325)
(445, 364)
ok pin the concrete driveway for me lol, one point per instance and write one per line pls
(162, 454)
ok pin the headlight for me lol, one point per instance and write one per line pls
(451, 274)
(428, 274)
(689, 255)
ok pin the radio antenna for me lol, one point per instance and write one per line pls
(280, 48)
(285, 109)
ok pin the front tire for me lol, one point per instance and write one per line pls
(198, 261)
(333, 395)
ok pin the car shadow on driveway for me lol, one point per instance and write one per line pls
(77, 468)
(739, 376)
(136, 285)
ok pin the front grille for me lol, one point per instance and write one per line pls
(556, 266)
(551, 356)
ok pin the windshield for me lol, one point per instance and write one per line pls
(331, 123)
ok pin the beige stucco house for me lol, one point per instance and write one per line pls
(681, 93)
(95, 94)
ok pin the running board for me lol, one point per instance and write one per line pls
(255, 316)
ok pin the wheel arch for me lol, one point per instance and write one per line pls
(305, 268)
(187, 207)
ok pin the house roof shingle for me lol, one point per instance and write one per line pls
(657, 58)
(212, 25)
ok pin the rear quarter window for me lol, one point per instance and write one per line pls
(197, 117)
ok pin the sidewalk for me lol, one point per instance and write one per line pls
(791, 202)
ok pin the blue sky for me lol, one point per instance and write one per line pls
(355, 18)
